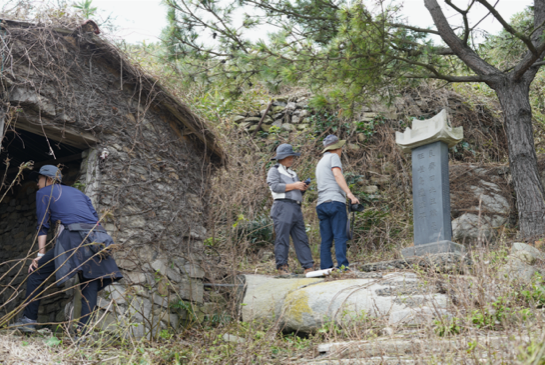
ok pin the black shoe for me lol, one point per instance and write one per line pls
(24, 325)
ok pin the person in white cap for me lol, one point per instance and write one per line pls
(287, 192)
(331, 205)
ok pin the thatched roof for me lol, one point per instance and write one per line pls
(108, 56)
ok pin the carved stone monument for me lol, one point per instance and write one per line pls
(429, 140)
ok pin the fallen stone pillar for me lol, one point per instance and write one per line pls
(305, 305)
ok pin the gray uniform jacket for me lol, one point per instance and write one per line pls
(277, 178)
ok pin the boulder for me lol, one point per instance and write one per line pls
(519, 246)
(468, 227)
(479, 190)
(520, 266)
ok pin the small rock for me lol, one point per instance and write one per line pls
(361, 137)
(266, 127)
(288, 127)
(370, 189)
(252, 128)
(244, 125)
(387, 331)
(160, 266)
(267, 256)
(232, 338)
(304, 113)
(380, 180)
(238, 118)
(291, 106)
(253, 120)
(277, 123)
(278, 109)
(416, 316)
(295, 119)
(302, 126)
(353, 147)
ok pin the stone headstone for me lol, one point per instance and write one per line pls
(428, 141)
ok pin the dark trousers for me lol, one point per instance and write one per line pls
(333, 219)
(288, 221)
(89, 289)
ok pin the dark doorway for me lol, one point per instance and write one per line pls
(18, 210)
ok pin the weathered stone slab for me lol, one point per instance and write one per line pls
(431, 197)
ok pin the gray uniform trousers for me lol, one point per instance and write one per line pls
(288, 220)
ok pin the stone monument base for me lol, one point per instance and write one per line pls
(432, 248)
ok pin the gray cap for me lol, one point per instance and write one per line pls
(283, 151)
(49, 171)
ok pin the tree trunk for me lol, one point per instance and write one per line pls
(517, 112)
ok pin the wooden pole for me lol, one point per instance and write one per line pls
(263, 117)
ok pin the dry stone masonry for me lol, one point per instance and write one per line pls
(146, 164)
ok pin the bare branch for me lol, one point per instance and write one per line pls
(415, 29)
(465, 53)
(464, 17)
(448, 78)
(508, 27)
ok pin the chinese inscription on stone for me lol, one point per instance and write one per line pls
(431, 194)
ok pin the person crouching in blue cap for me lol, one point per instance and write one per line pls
(287, 192)
(75, 251)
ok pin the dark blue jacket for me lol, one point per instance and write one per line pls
(63, 203)
(72, 249)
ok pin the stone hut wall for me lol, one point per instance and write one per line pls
(150, 185)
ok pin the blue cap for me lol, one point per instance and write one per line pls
(49, 171)
(283, 151)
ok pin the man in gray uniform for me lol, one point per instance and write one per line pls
(287, 192)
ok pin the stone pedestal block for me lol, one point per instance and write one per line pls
(432, 248)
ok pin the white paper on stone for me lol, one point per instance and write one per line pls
(318, 273)
(427, 131)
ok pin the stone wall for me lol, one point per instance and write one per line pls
(147, 174)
